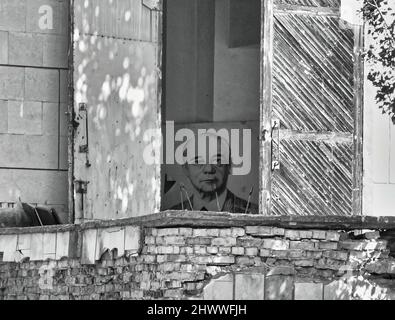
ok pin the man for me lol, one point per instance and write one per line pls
(209, 180)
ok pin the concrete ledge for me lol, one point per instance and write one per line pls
(222, 220)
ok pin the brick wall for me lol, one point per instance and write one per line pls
(33, 102)
(205, 262)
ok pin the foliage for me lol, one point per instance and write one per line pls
(380, 19)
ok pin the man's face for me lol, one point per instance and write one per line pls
(208, 178)
(209, 170)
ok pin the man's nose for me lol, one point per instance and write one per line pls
(209, 168)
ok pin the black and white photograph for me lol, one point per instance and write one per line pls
(197, 151)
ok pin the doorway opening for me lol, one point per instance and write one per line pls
(211, 89)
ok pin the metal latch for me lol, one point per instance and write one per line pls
(275, 154)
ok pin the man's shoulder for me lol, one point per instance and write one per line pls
(235, 204)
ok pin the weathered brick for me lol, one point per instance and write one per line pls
(176, 257)
(296, 254)
(203, 259)
(204, 241)
(176, 249)
(251, 251)
(352, 245)
(313, 254)
(174, 240)
(238, 251)
(319, 234)
(226, 242)
(280, 254)
(337, 255)
(205, 232)
(186, 250)
(377, 245)
(200, 250)
(373, 235)
(361, 255)
(225, 232)
(264, 253)
(186, 232)
(332, 236)
(275, 244)
(328, 245)
(304, 263)
(149, 240)
(259, 230)
(238, 232)
(244, 261)
(278, 231)
(212, 250)
(223, 260)
(224, 250)
(306, 234)
(136, 294)
(167, 232)
(302, 245)
(165, 249)
(249, 242)
(292, 234)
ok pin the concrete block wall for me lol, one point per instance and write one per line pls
(33, 101)
(207, 263)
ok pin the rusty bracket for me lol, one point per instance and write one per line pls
(81, 187)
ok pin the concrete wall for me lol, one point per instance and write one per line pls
(189, 60)
(206, 79)
(236, 76)
(379, 152)
(33, 102)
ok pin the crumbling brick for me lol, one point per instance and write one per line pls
(239, 251)
(275, 244)
(319, 234)
(302, 245)
(238, 232)
(167, 232)
(212, 250)
(327, 245)
(226, 242)
(251, 251)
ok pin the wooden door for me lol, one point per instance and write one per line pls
(116, 65)
(311, 110)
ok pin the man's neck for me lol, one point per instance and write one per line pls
(208, 196)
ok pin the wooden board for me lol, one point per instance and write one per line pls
(116, 64)
(312, 74)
